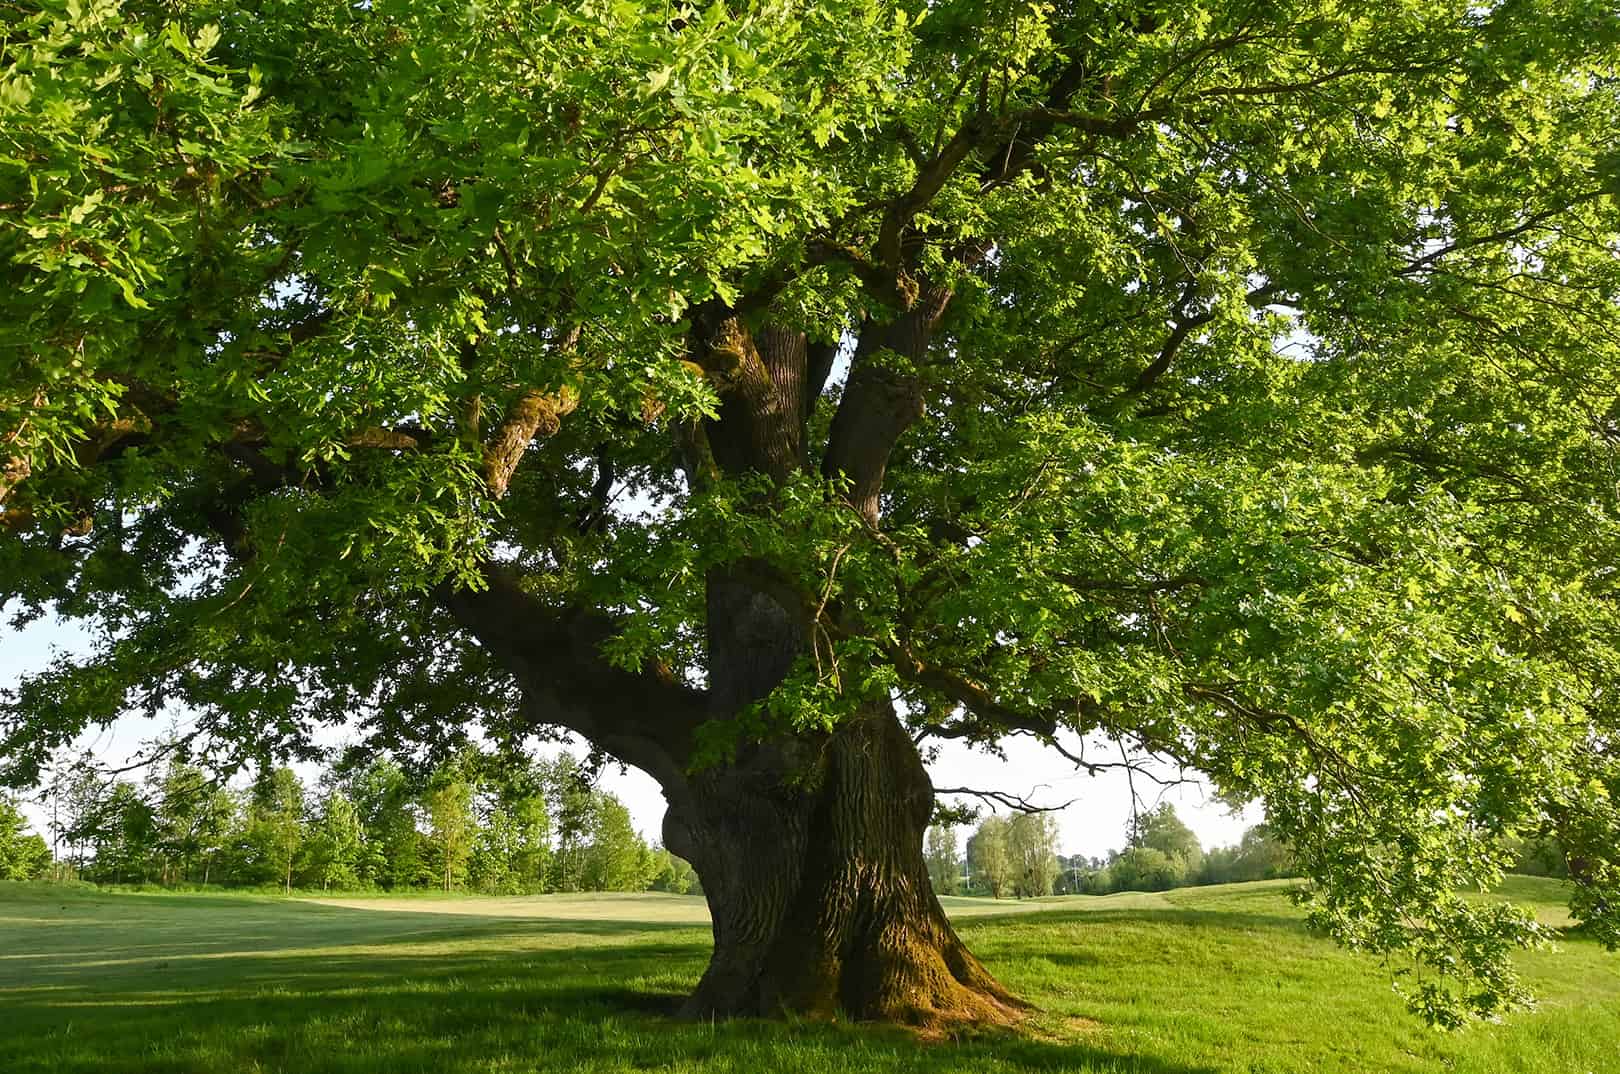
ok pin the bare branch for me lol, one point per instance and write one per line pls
(1015, 802)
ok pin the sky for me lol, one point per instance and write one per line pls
(1092, 823)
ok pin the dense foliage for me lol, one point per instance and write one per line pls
(1231, 380)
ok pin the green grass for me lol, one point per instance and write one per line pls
(1188, 982)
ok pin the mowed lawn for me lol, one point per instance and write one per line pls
(1190, 982)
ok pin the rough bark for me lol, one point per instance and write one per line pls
(760, 375)
(811, 858)
(535, 414)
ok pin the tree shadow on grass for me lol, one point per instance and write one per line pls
(1082, 938)
(373, 1029)
(355, 991)
(1223, 920)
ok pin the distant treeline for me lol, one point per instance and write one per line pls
(471, 825)
(24, 855)
(1017, 856)
(530, 827)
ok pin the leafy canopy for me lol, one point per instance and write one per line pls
(1271, 426)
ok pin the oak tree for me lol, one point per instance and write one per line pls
(765, 389)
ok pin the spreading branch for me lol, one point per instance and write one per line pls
(883, 399)
(645, 716)
(1184, 326)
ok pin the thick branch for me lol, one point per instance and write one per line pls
(594, 513)
(535, 414)
(759, 376)
(931, 179)
(977, 699)
(819, 360)
(645, 716)
(883, 399)
(886, 284)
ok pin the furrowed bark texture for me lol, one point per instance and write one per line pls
(810, 851)
(820, 897)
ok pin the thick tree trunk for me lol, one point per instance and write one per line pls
(810, 853)
(819, 894)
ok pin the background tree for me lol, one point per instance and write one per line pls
(448, 806)
(1100, 882)
(486, 820)
(275, 831)
(673, 874)
(382, 797)
(1032, 853)
(124, 831)
(944, 861)
(1146, 869)
(77, 796)
(1160, 829)
(333, 849)
(568, 786)
(959, 347)
(989, 857)
(216, 821)
(1259, 856)
(514, 843)
(529, 848)
(1540, 856)
(616, 858)
(182, 803)
(23, 854)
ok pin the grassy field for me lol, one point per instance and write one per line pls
(1196, 981)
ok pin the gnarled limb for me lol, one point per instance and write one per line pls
(535, 414)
